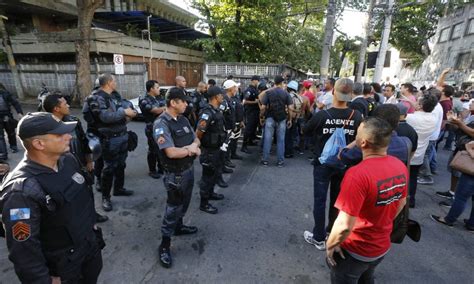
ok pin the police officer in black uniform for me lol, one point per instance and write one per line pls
(47, 210)
(79, 146)
(178, 148)
(238, 118)
(199, 99)
(110, 120)
(211, 131)
(229, 121)
(251, 113)
(7, 123)
(152, 105)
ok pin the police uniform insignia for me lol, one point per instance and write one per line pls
(19, 214)
(222, 107)
(77, 177)
(205, 116)
(161, 140)
(202, 124)
(159, 131)
(186, 129)
(21, 231)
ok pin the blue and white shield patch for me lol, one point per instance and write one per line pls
(159, 131)
(205, 116)
(19, 214)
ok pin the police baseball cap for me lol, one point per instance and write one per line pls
(278, 79)
(255, 77)
(176, 93)
(41, 123)
(343, 89)
(214, 91)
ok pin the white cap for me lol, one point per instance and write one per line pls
(229, 84)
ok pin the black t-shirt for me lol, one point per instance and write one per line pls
(360, 104)
(405, 129)
(323, 124)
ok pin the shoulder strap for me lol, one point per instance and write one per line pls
(350, 116)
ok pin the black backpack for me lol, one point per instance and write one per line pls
(276, 107)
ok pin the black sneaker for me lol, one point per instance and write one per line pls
(100, 218)
(216, 196)
(447, 203)
(185, 230)
(221, 183)
(467, 226)
(154, 175)
(445, 194)
(441, 221)
(264, 163)
(229, 164)
(123, 192)
(165, 256)
(227, 170)
(208, 208)
(107, 204)
(280, 164)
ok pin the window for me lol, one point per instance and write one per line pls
(464, 61)
(470, 27)
(457, 31)
(444, 35)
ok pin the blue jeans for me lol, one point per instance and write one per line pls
(323, 175)
(464, 191)
(429, 161)
(270, 125)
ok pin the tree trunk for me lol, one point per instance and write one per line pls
(238, 17)
(363, 45)
(328, 33)
(383, 43)
(212, 28)
(85, 14)
(343, 56)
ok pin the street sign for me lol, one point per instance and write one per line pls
(118, 62)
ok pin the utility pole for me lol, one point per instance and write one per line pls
(11, 59)
(363, 45)
(150, 44)
(384, 42)
(328, 33)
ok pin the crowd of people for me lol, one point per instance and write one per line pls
(370, 146)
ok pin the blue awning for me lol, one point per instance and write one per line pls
(166, 29)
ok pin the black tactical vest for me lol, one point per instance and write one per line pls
(70, 217)
(181, 137)
(215, 134)
(4, 107)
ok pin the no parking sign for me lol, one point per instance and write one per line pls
(118, 62)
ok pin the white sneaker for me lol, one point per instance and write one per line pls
(308, 237)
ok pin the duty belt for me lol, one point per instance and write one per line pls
(112, 135)
(177, 170)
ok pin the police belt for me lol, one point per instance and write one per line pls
(177, 168)
(108, 134)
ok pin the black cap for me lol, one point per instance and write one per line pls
(214, 91)
(41, 123)
(255, 77)
(176, 93)
(278, 79)
(211, 82)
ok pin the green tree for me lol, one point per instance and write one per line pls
(268, 31)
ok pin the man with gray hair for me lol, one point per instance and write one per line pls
(322, 125)
(358, 101)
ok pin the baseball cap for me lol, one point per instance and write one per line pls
(402, 108)
(293, 85)
(343, 89)
(307, 84)
(214, 91)
(229, 84)
(41, 123)
(176, 93)
(255, 77)
(278, 79)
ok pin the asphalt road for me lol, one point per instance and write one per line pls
(257, 237)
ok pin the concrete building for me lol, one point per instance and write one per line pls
(453, 48)
(43, 32)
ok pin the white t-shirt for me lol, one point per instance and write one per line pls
(438, 112)
(424, 123)
(326, 99)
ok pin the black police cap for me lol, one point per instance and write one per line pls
(255, 77)
(214, 91)
(176, 93)
(41, 123)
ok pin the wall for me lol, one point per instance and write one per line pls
(62, 77)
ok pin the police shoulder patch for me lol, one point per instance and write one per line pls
(77, 177)
(21, 231)
(19, 214)
(161, 140)
(205, 116)
(159, 131)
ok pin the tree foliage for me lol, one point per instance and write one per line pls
(413, 25)
(267, 31)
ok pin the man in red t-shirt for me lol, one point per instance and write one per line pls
(307, 93)
(372, 194)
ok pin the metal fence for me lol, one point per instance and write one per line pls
(62, 77)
